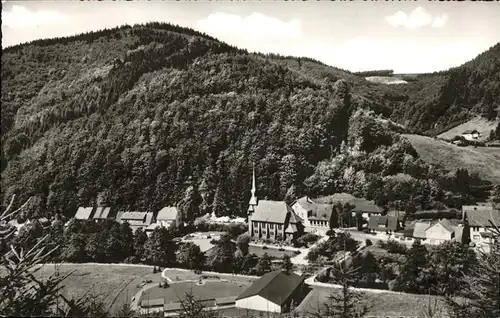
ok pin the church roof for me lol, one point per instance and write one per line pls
(271, 211)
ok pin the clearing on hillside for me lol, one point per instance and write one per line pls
(483, 160)
(482, 125)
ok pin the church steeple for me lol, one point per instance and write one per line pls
(253, 199)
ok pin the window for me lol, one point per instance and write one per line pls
(280, 227)
(476, 237)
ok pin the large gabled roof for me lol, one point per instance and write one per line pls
(276, 287)
(83, 213)
(419, 229)
(168, 213)
(483, 217)
(319, 211)
(271, 211)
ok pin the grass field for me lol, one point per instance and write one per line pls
(273, 252)
(483, 160)
(209, 290)
(380, 304)
(116, 284)
(480, 124)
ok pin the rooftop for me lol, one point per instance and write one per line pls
(276, 286)
(83, 213)
(271, 211)
(168, 213)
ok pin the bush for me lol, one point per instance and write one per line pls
(368, 242)
(281, 249)
(395, 247)
(264, 247)
(213, 241)
(330, 232)
(297, 252)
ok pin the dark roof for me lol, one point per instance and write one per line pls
(172, 306)
(470, 131)
(376, 221)
(383, 222)
(483, 217)
(276, 286)
(152, 302)
(271, 211)
(225, 300)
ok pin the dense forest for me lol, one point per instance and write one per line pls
(152, 115)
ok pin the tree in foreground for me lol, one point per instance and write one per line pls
(343, 304)
(479, 295)
(193, 308)
(287, 265)
(22, 294)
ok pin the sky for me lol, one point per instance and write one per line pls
(407, 36)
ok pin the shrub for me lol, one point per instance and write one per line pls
(368, 242)
(264, 247)
(330, 233)
(395, 247)
(297, 252)
(281, 249)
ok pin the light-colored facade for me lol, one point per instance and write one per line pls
(259, 303)
(316, 216)
(471, 135)
(168, 216)
(439, 233)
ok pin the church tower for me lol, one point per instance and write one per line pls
(253, 199)
(253, 203)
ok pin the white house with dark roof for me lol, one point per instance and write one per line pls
(272, 220)
(471, 134)
(440, 232)
(477, 222)
(273, 292)
(316, 216)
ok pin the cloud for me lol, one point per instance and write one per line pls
(21, 17)
(416, 19)
(256, 26)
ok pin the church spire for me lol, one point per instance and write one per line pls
(253, 199)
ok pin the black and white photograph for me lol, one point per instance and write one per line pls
(259, 158)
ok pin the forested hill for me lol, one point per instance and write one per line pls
(145, 116)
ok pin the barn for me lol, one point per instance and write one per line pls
(273, 292)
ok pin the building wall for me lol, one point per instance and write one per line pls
(300, 211)
(166, 223)
(437, 234)
(266, 230)
(475, 233)
(258, 303)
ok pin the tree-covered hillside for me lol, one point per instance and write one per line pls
(145, 116)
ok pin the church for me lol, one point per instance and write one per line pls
(271, 220)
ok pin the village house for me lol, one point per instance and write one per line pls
(317, 213)
(437, 232)
(273, 292)
(477, 223)
(471, 134)
(168, 216)
(316, 216)
(384, 224)
(136, 220)
(272, 220)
